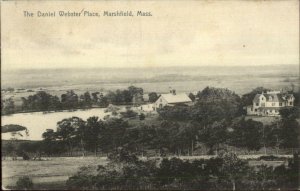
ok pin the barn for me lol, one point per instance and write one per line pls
(172, 99)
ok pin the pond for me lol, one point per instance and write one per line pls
(38, 122)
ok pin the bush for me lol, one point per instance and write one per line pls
(24, 183)
(271, 158)
(142, 116)
(129, 114)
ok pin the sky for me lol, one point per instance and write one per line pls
(179, 33)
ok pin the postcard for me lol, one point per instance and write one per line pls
(150, 95)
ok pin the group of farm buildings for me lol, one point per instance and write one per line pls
(264, 104)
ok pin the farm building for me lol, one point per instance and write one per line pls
(172, 99)
(269, 103)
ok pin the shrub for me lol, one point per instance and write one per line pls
(24, 183)
(129, 114)
(142, 116)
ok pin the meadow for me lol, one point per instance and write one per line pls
(240, 79)
(53, 172)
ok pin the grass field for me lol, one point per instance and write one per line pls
(53, 173)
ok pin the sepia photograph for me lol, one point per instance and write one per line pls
(150, 95)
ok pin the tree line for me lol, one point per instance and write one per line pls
(43, 101)
(224, 172)
(210, 99)
(165, 137)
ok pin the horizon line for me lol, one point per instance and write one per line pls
(148, 67)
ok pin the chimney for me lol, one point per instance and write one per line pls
(174, 92)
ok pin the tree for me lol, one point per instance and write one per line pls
(135, 90)
(103, 101)
(233, 168)
(49, 135)
(95, 97)
(146, 136)
(152, 97)
(8, 106)
(8, 149)
(288, 127)
(41, 101)
(288, 133)
(192, 96)
(289, 113)
(69, 100)
(271, 134)
(93, 133)
(114, 133)
(215, 104)
(69, 130)
(213, 135)
(246, 134)
(86, 100)
(164, 138)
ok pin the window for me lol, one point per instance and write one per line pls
(257, 104)
(291, 103)
(280, 104)
(262, 98)
(255, 109)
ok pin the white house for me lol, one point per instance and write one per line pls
(269, 104)
(172, 99)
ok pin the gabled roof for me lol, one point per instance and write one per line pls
(276, 97)
(177, 98)
(256, 98)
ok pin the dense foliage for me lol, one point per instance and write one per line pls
(212, 104)
(43, 101)
(225, 172)
(12, 128)
(163, 138)
(24, 183)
